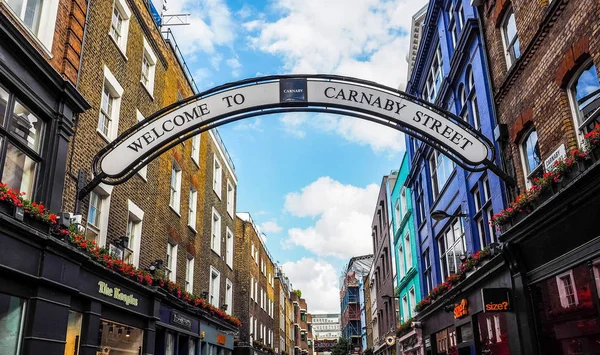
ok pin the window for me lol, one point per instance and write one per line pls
(229, 296)
(427, 272)
(397, 213)
(215, 242)
(452, 25)
(22, 144)
(461, 16)
(464, 110)
(530, 156)
(189, 274)
(404, 201)
(12, 314)
(73, 333)
(119, 25)
(441, 167)
(481, 231)
(39, 16)
(251, 332)
(217, 172)
(473, 100)
(192, 202)
(489, 212)
(419, 198)
(434, 78)
(143, 171)
(408, 252)
(215, 285)
(108, 122)
(510, 40)
(584, 95)
(134, 233)
(452, 247)
(171, 268)
(230, 198)
(402, 262)
(148, 68)
(98, 211)
(405, 307)
(175, 186)
(229, 248)
(566, 289)
(196, 149)
(412, 298)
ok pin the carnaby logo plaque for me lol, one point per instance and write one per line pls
(292, 90)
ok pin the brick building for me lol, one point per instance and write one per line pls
(283, 310)
(255, 288)
(544, 62)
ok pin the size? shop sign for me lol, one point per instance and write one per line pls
(496, 299)
(115, 292)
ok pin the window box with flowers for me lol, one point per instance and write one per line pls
(33, 214)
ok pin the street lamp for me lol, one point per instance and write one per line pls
(438, 215)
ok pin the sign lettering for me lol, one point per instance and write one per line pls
(554, 157)
(496, 299)
(461, 310)
(181, 320)
(364, 100)
(115, 292)
(221, 339)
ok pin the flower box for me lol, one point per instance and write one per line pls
(37, 224)
(516, 218)
(7, 208)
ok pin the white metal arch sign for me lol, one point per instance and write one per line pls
(276, 94)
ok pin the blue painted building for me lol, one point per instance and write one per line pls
(450, 72)
(408, 285)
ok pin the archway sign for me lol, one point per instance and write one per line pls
(444, 131)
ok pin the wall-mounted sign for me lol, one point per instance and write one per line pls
(461, 309)
(554, 157)
(221, 339)
(181, 320)
(496, 299)
(311, 93)
(115, 292)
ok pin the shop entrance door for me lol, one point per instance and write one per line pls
(468, 350)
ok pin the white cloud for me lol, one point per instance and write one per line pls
(235, 66)
(293, 122)
(318, 281)
(248, 124)
(362, 38)
(344, 214)
(270, 227)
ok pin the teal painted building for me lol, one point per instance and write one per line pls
(408, 287)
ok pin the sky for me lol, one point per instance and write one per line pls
(310, 181)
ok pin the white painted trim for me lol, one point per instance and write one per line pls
(152, 70)
(231, 172)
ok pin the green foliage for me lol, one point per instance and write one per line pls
(298, 293)
(341, 348)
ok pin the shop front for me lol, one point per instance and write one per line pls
(410, 343)
(554, 255)
(475, 317)
(215, 339)
(177, 333)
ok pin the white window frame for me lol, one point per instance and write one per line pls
(116, 92)
(189, 274)
(524, 159)
(196, 149)
(149, 55)
(143, 172)
(175, 190)
(480, 222)
(561, 289)
(136, 215)
(431, 89)
(510, 61)
(408, 251)
(252, 287)
(437, 164)
(229, 296)
(213, 295)
(229, 247)
(397, 213)
(412, 299)
(230, 198)
(44, 33)
(489, 212)
(405, 308)
(104, 192)
(125, 13)
(571, 91)
(461, 15)
(192, 207)
(215, 232)
(217, 176)
(402, 261)
(171, 265)
(458, 239)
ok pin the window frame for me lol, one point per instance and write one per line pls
(230, 199)
(509, 44)
(116, 90)
(143, 172)
(442, 239)
(561, 289)
(229, 296)
(46, 23)
(580, 127)
(229, 241)
(192, 207)
(189, 273)
(408, 253)
(195, 152)
(211, 294)
(125, 12)
(175, 191)
(171, 264)
(217, 171)
(529, 175)
(104, 191)
(427, 271)
(150, 57)
(216, 237)
(135, 215)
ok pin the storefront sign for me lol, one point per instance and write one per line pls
(554, 157)
(496, 299)
(427, 343)
(180, 320)
(221, 339)
(362, 99)
(461, 310)
(115, 292)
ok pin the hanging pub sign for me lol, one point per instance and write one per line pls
(496, 299)
(461, 309)
(142, 143)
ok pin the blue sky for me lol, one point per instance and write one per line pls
(309, 181)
